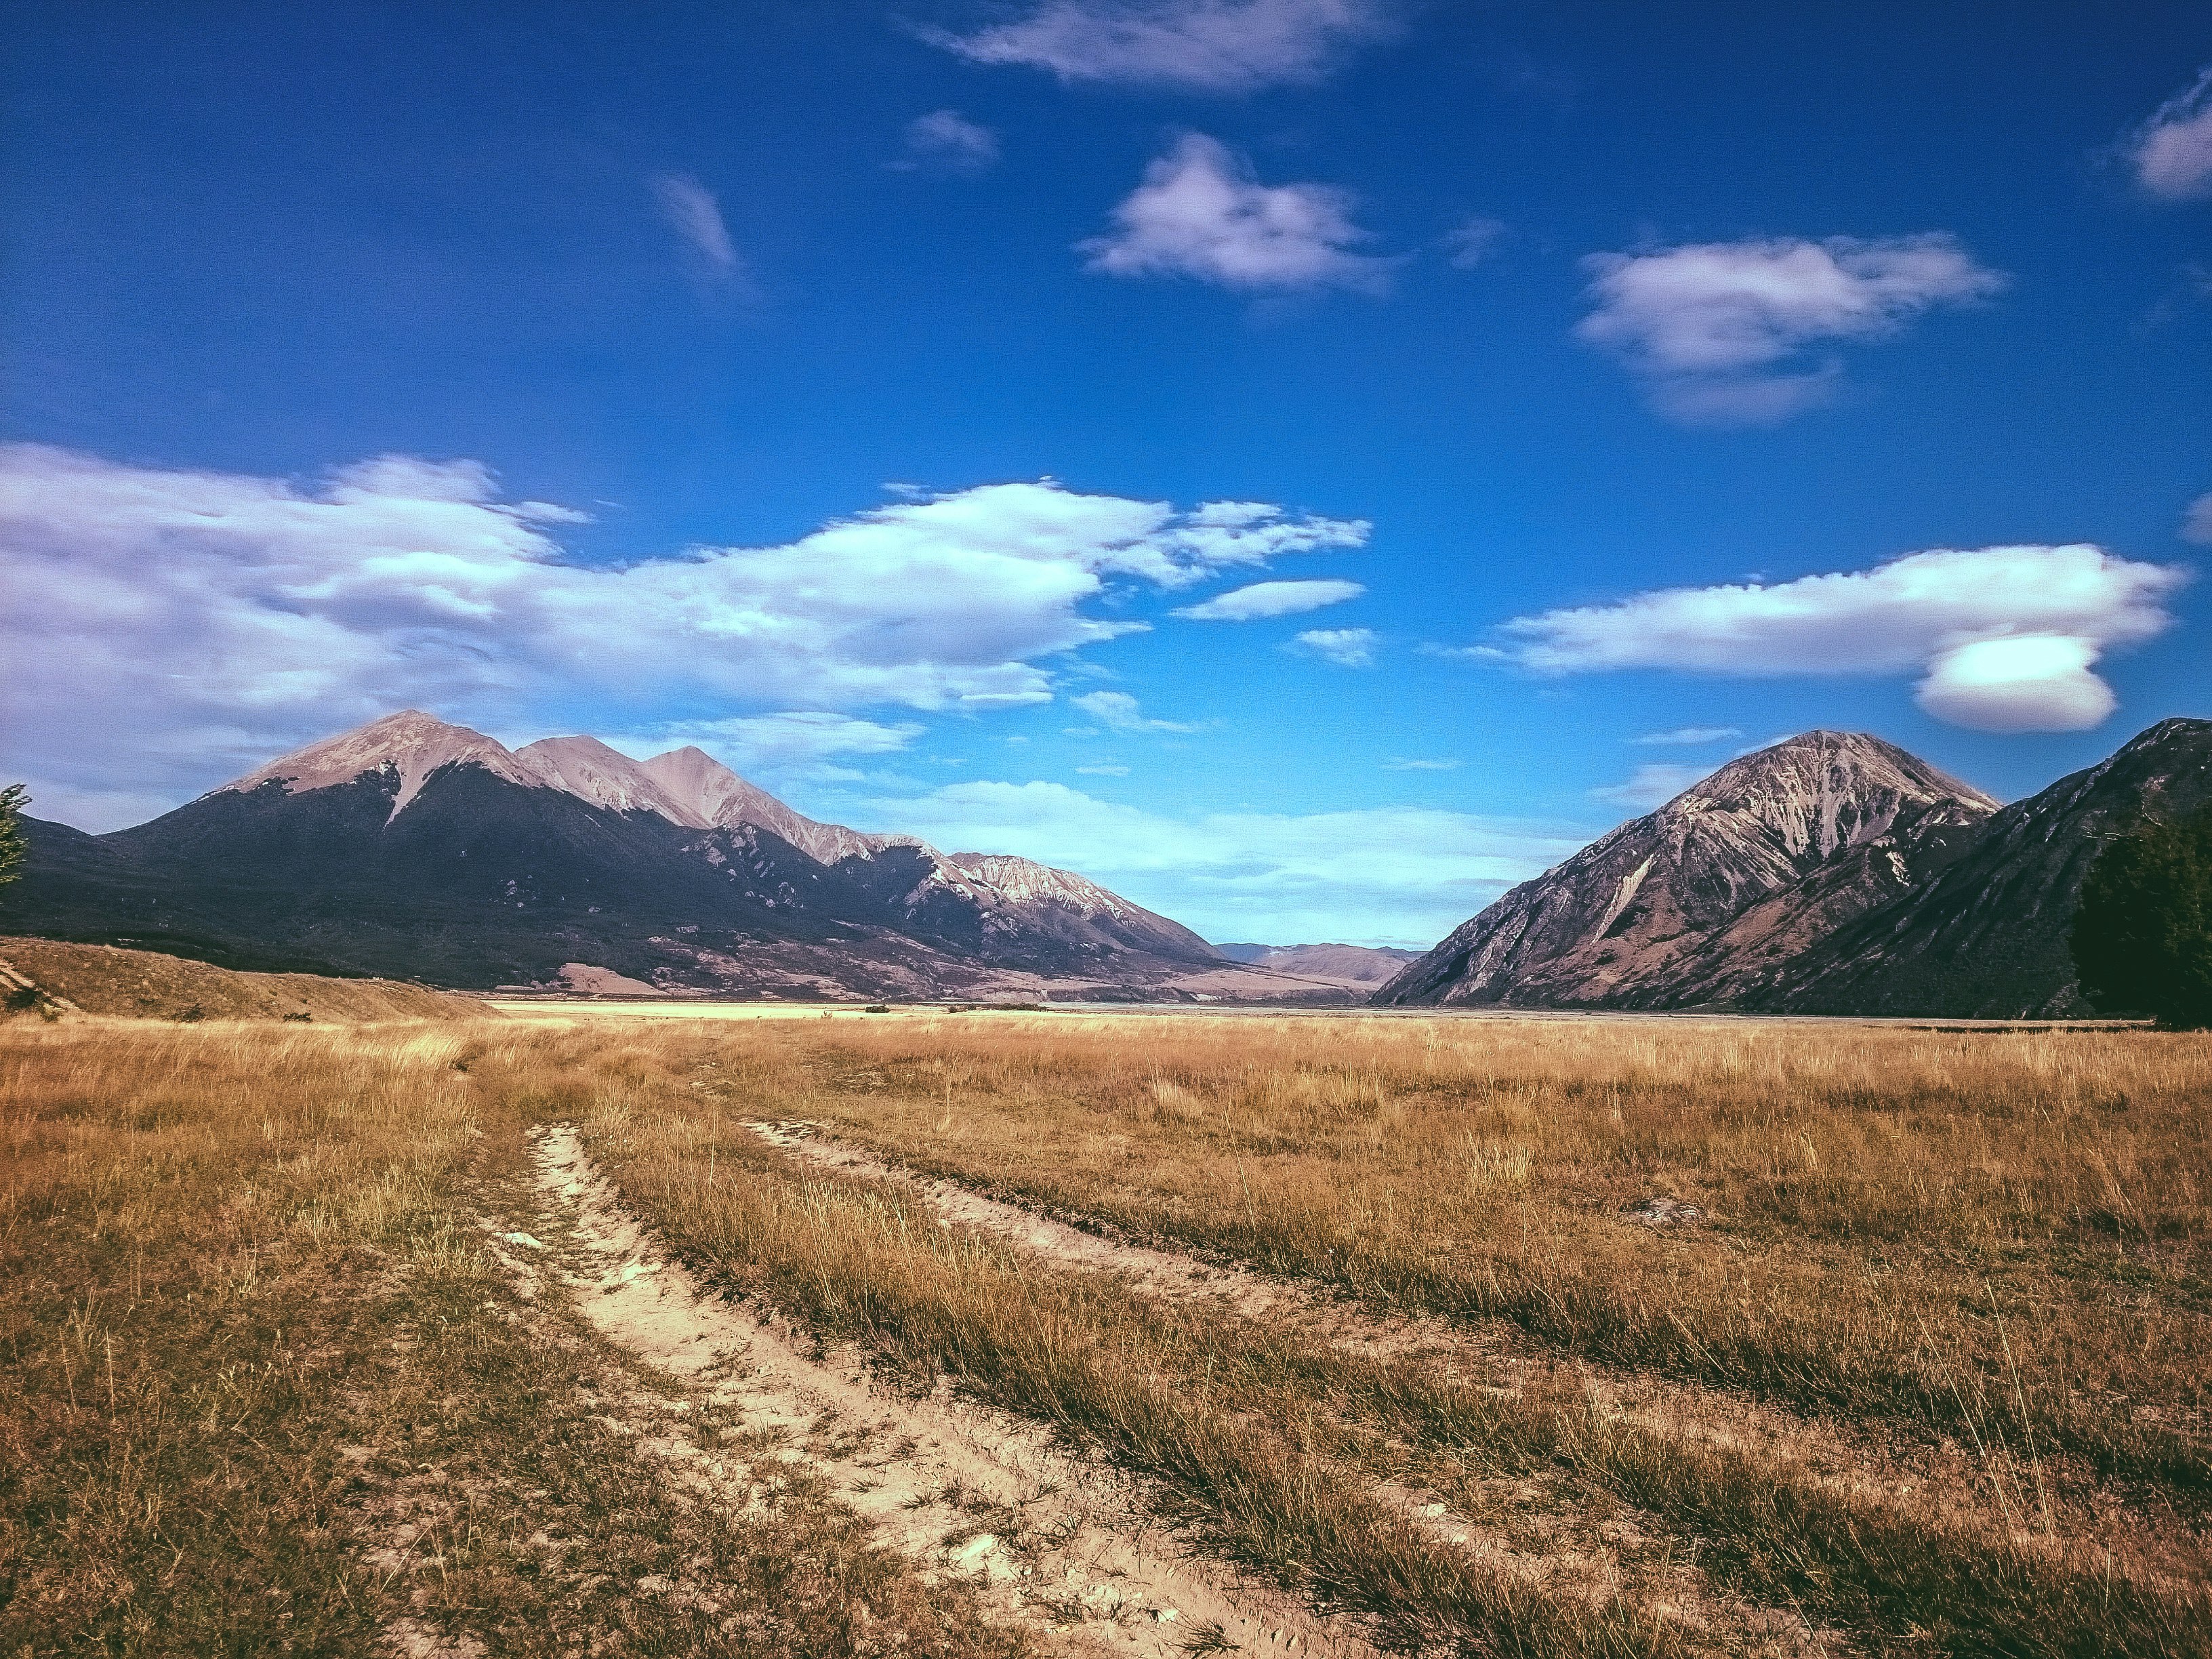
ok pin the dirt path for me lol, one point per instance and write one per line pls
(1858, 1466)
(1055, 1543)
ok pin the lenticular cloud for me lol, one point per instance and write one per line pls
(2004, 638)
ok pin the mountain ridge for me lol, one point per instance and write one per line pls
(411, 845)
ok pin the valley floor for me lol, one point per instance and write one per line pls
(1099, 1333)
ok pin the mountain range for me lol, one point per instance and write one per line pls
(1831, 873)
(415, 848)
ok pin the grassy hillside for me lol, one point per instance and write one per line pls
(103, 978)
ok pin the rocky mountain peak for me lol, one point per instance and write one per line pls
(410, 745)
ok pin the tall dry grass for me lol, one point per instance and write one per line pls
(249, 1338)
(857, 1260)
(2000, 1238)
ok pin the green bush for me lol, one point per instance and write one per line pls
(2142, 936)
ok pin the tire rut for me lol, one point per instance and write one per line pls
(1061, 1545)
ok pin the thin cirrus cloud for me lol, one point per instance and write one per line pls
(2003, 638)
(1262, 599)
(1650, 785)
(1719, 332)
(1347, 647)
(2196, 523)
(696, 217)
(1200, 46)
(1200, 214)
(212, 619)
(1471, 241)
(1117, 711)
(1390, 876)
(769, 743)
(1422, 765)
(1686, 735)
(2171, 154)
(945, 141)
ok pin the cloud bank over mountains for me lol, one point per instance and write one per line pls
(203, 618)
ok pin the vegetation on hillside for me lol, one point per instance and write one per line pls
(13, 846)
(2142, 936)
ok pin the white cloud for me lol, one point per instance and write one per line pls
(691, 208)
(1715, 329)
(1347, 647)
(1272, 599)
(1399, 876)
(1689, 734)
(2004, 636)
(1652, 785)
(1471, 240)
(1200, 213)
(1103, 771)
(1422, 765)
(193, 623)
(946, 140)
(769, 742)
(1117, 711)
(2196, 523)
(2171, 152)
(1208, 46)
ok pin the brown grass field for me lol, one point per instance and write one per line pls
(1276, 1335)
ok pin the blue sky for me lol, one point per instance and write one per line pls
(1502, 319)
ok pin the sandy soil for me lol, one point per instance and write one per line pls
(1057, 1543)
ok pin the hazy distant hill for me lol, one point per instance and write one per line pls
(1829, 873)
(1340, 965)
(415, 848)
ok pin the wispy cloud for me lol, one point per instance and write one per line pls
(1397, 876)
(1103, 771)
(1200, 214)
(1347, 647)
(945, 141)
(2196, 523)
(1117, 711)
(1650, 785)
(696, 216)
(1471, 241)
(1259, 600)
(1717, 330)
(2003, 637)
(769, 742)
(1204, 45)
(1690, 734)
(2171, 152)
(1422, 765)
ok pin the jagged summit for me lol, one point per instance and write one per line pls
(704, 786)
(588, 770)
(1631, 920)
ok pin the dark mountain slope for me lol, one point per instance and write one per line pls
(1987, 936)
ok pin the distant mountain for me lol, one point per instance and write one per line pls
(1986, 934)
(1710, 899)
(1339, 964)
(415, 848)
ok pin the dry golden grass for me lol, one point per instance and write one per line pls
(1928, 1375)
(262, 1390)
